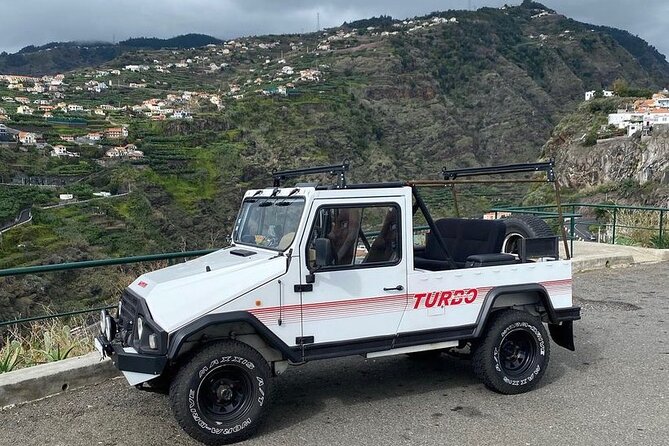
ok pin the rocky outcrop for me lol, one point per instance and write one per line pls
(642, 159)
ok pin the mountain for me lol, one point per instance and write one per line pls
(59, 57)
(399, 98)
(184, 41)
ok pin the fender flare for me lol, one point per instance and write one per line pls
(177, 340)
(528, 288)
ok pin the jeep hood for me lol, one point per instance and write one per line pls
(180, 293)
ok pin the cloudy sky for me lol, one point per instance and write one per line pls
(27, 22)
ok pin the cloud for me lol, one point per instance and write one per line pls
(34, 22)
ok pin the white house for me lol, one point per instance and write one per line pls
(128, 151)
(116, 133)
(662, 102)
(656, 117)
(24, 110)
(591, 94)
(634, 127)
(623, 119)
(287, 70)
(74, 108)
(27, 138)
(310, 74)
(65, 197)
(61, 150)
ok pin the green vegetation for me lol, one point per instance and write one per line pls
(44, 341)
(13, 199)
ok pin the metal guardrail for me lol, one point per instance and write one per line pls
(89, 264)
(614, 212)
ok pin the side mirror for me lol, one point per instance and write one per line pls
(324, 256)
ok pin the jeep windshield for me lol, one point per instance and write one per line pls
(268, 222)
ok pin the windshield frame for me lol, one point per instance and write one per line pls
(242, 216)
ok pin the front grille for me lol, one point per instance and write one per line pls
(127, 317)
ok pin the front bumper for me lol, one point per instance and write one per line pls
(127, 359)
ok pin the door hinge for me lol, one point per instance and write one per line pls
(303, 287)
(301, 340)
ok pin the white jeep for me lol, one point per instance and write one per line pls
(327, 271)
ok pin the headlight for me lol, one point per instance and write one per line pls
(103, 321)
(110, 328)
(140, 327)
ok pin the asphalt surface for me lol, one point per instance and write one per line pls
(612, 391)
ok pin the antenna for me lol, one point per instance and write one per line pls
(318, 21)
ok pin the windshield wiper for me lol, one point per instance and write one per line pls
(267, 201)
(286, 202)
(251, 200)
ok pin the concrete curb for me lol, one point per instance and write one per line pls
(44, 380)
(600, 262)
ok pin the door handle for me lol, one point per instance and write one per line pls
(395, 288)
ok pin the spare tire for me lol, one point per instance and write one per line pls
(523, 226)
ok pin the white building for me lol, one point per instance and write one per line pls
(591, 94)
(61, 150)
(27, 138)
(623, 119)
(24, 110)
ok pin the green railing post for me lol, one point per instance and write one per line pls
(572, 230)
(661, 242)
(615, 213)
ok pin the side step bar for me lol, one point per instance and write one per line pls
(413, 349)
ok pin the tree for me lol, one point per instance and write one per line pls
(620, 87)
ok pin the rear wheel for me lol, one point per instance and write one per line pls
(513, 354)
(221, 394)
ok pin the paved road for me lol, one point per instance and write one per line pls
(24, 216)
(612, 391)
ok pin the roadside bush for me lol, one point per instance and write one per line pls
(44, 341)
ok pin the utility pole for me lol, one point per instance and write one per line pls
(318, 21)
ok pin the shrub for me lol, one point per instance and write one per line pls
(44, 341)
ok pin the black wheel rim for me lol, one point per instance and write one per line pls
(225, 393)
(517, 352)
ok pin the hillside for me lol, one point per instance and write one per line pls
(58, 57)
(397, 98)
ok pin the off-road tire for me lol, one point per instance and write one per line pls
(523, 226)
(221, 393)
(513, 354)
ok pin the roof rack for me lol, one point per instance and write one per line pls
(334, 169)
(495, 170)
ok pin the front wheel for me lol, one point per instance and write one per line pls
(513, 354)
(220, 395)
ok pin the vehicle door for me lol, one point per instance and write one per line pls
(356, 300)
